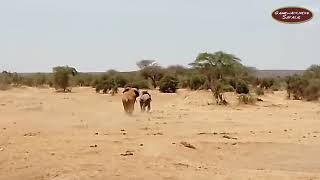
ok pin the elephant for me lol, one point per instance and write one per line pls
(129, 98)
(145, 101)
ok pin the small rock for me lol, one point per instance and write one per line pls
(234, 144)
(182, 165)
(141, 144)
(127, 153)
(229, 137)
(303, 136)
(30, 134)
(224, 133)
(159, 133)
(94, 146)
(122, 130)
(1, 149)
(96, 133)
(204, 133)
(188, 145)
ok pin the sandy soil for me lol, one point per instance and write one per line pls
(84, 135)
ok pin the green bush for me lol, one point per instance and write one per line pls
(246, 99)
(196, 81)
(142, 84)
(233, 82)
(61, 77)
(295, 86)
(7, 79)
(95, 82)
(168, 84)
(120, 80)
(259, 91)
(217, 89)
(83, 79)
(242, 87)
(106, 86)
(28, 81)
(184, 82)
(312, 91)
(267, 83)
(313, 72)
(39, 79)
(206, 86)
(228, 88)
(275, 88)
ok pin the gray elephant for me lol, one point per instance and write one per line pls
(145, 101)
(128, 99)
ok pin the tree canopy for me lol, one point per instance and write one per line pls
(149, 69)
(218, 64)
(61, 76)
(145, 63)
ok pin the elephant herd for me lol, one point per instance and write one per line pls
(129, 98)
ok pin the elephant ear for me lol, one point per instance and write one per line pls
(125, 90)
(136, 92)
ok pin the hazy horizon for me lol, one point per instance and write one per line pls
(94, 36)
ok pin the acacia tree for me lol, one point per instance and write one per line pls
(305, 86)
(145, 63)
(61, 76)
(313, 72)
(150, 70)
(217, 66)
(177, 70)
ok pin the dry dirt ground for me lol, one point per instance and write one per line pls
(83, 135)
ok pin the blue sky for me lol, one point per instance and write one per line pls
(97, 35)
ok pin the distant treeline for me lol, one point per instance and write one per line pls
(219, 72)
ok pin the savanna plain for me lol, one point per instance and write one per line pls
(86, 135)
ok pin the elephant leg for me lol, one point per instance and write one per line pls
(149, 106)
(141, 106)
(131, 107)
(125, 106)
